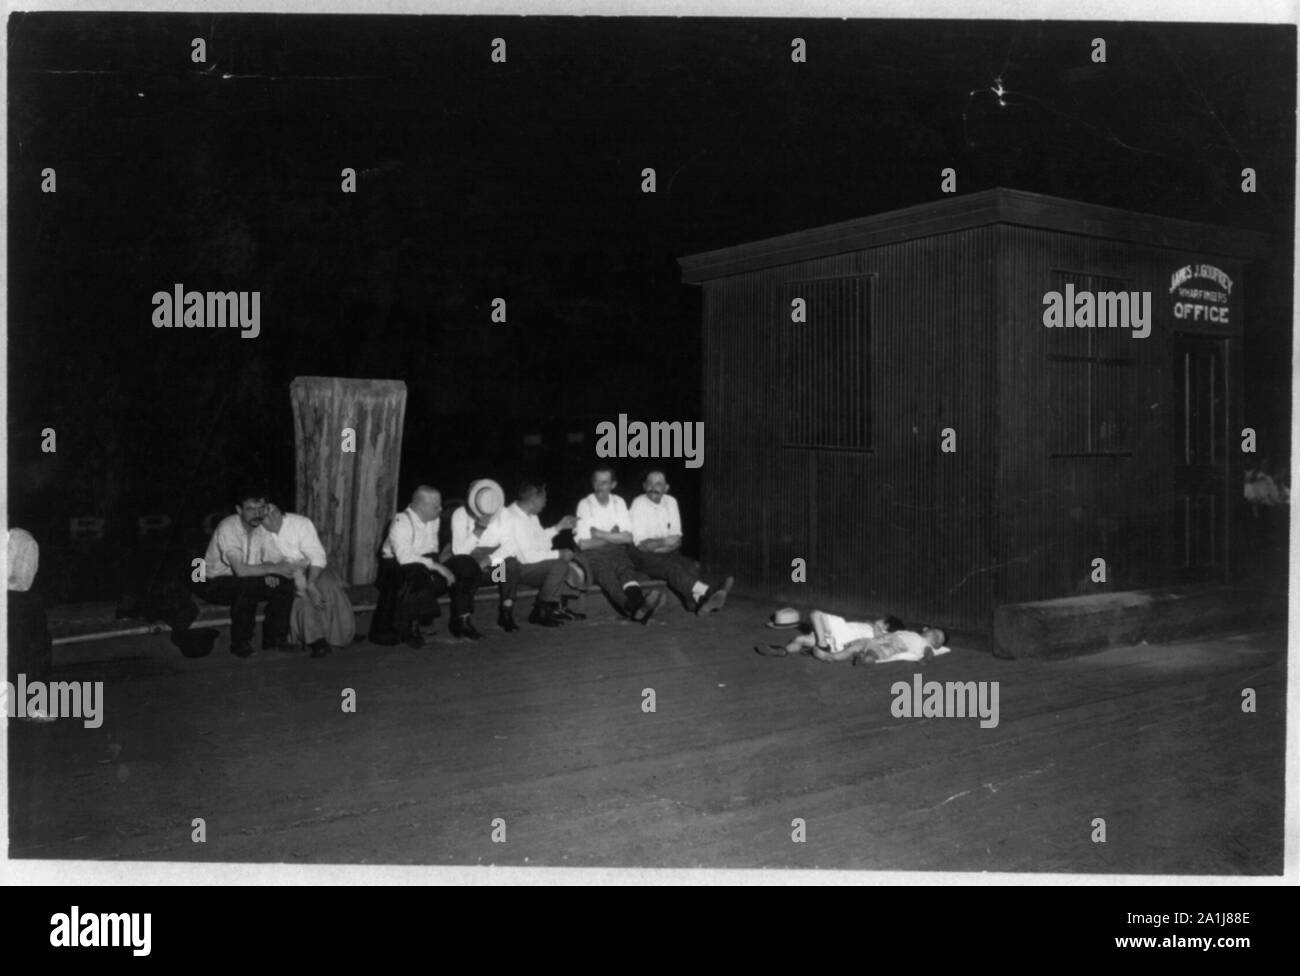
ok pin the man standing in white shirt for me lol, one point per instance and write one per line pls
(410, 577)
(524, 540)
(657, 542)
(322, 614)
(604, 535)
(235, 576)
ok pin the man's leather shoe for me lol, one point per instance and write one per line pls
(653, 601)
(716, 598)
(506, 620)
(463, 626)
(320, 648)
(568, 613)
(243, 650)
(544, 615)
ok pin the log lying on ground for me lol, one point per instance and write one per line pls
(1070, 626)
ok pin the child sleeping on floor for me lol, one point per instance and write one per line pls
(921, 644)
(831, 636)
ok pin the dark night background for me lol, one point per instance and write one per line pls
(522, 180)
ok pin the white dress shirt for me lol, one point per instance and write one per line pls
(410, 537)
(523, 537)
(651, 521)
(465, 535)
(296, 541)
(592, 514)
(230, 540)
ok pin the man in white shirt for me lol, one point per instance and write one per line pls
(475, 538)
(236, 576)
(657, 542)
(524, 540)
(322, 614)
(604, 535)
(410, 576)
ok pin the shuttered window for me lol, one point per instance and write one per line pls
(1089, 379)
(826, 363)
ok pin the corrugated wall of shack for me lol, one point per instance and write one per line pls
(825, 436)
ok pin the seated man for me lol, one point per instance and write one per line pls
(475, 538)
(411, 579)
(831, 636)
(604, 535)
(322, 614)
(524, 540)
(657, 542)
(236, 577)
(922, 644)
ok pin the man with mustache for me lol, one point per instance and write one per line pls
(235, 576)
(657, 543)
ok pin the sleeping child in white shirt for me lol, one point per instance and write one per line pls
(831, 635)
(921, 644)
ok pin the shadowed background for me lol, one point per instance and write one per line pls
(522, 180)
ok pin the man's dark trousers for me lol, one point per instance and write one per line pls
(31, 651)
(470, 576)
(672, 567)
(242, 594)
(610, 567)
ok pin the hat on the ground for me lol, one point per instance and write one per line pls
(484, 498)
(783, 618)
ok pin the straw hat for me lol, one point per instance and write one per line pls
(484, 498)
(784, 618)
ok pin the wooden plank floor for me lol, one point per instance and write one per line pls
(545, 730)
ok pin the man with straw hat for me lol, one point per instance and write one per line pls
(475, 539)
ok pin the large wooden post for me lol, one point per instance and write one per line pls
(348, 494)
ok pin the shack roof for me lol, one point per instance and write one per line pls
(996, 206)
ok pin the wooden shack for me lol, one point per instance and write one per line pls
(901, 403)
